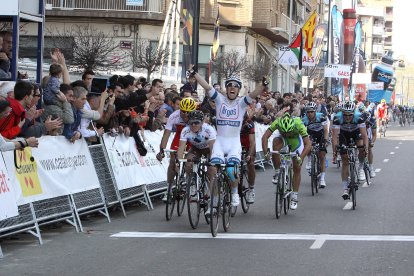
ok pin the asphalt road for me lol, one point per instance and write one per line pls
(322, 237)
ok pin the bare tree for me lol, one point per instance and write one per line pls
(256, 70)
(229, 64)
(146, 56)
(90, 48)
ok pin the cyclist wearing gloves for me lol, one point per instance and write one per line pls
(292, 132)
(348, 125)
(318, 130)
(200, 136)
(177, 121)
(230, 111)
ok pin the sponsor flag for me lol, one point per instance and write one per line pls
(297, 47)
(190, 35)
(216, 39)
(337, 50)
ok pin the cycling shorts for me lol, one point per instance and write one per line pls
(346, 136)
(318, 138)
(296, 144)
(226, 149)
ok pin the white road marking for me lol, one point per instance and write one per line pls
(249, 236)
(317, 244)
(392, 152)
(397, 147)
(386, 160)
(400, 143)
(377, 170)
(347, 206)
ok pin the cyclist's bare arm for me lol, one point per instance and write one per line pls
(364, 135)
(202, 82)
(307, 147)
(265, 139)
(165, 138)
(181, 149)
(335, 132)
(211, 144)
(326, 132)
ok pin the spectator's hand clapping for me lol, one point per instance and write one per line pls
(53, 124)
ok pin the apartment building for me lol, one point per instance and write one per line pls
(256, 28)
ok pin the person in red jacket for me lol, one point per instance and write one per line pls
(10, 127)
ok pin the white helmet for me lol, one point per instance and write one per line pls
(348, 107)
(235, 79)
(310, 106)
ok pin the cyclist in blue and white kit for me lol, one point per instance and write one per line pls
(230, 111)
(349, 124)
(318, 129)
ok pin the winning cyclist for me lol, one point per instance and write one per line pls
(230, 111)
(248, 142)
(349, 124)
(318, 130)
(177, 121)
(288, 131)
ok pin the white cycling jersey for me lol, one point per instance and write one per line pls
(200, 139)
(229, 120)
(230, 113)
(175, 121)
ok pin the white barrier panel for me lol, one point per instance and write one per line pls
(8, 205)
(130, 168)
(58, 168)
(259, 131)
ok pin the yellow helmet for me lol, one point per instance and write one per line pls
(188, 104)
(383, 101)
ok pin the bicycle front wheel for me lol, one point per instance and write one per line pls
(279, 194)
(288, 186)
(169, 205)
(242, 191)
(181, 195)
(313, 174)
(215, 203)
(227, 208)
(193, 201)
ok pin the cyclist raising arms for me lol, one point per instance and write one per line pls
(230, 111)
(349, 124)
(318, 130)
(177, 120)
(288, 131)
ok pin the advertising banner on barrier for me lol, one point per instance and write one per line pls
(130, 168)
(8, 205)
(56, 168)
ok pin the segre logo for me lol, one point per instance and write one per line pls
(228, 113)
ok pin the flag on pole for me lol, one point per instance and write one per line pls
(216, 39)
(308, 31)
(297, 47)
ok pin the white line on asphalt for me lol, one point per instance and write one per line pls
(397, 147)
(249, 236)
(392, 152)
(317, 244)
(400, 143)
(377, 170)
(386, 160)
(347, 206)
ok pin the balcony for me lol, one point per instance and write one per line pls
(144, 9)
(378, 30)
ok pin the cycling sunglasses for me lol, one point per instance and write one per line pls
(194, 123)
(233, 84)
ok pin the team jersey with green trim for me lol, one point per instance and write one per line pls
(292, 138)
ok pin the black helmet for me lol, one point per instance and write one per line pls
(196, 115)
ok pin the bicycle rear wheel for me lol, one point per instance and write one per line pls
(353, 185)
(215, 210)
(193, 201)
(169, 205)
(288, 186)
(227, 208)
